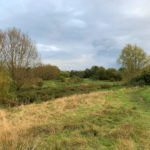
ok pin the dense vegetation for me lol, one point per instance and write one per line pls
(98, 73)
(55, 89)
(23, 76)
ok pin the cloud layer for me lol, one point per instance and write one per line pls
(76, 34)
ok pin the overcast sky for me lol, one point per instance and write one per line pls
(76, 34)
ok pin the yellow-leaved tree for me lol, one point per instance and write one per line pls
(133, 59)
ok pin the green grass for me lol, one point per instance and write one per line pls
(57, 83)
(121, 124)
(109, 120)
(55, 89)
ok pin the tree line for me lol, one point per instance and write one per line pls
(21, 67)
(98, 73)
(135, 68)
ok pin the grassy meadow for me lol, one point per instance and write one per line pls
(101, 120)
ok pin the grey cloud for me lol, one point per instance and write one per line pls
(80, 33)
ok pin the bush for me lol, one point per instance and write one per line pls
(143, 79)
(27, 97)
(25, 78)
(106, 86)
(75, 79)
(46, 72)
(39, 82)
(62, 79)
(5, 87)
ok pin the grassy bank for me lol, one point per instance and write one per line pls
(55, 89)
(106, 120)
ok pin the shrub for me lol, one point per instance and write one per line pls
(25, 78)
(62, 78)
(106, 86)
(39, 82)
(143, 79)
(27, 97)
(5, 87)
(75, 79)
(46, 72)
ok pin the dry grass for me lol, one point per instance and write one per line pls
(99, 120)
(126, 144)
(14, 123)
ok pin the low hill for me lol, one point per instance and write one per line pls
(106, 120)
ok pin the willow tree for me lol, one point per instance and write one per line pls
(17, 50)
(133, 59)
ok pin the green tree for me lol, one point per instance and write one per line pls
(87, 73)
(102, 73)
(113, 74)
(133, 59)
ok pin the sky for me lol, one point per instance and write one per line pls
(77, 34)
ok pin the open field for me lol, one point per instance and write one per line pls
(104, 120)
